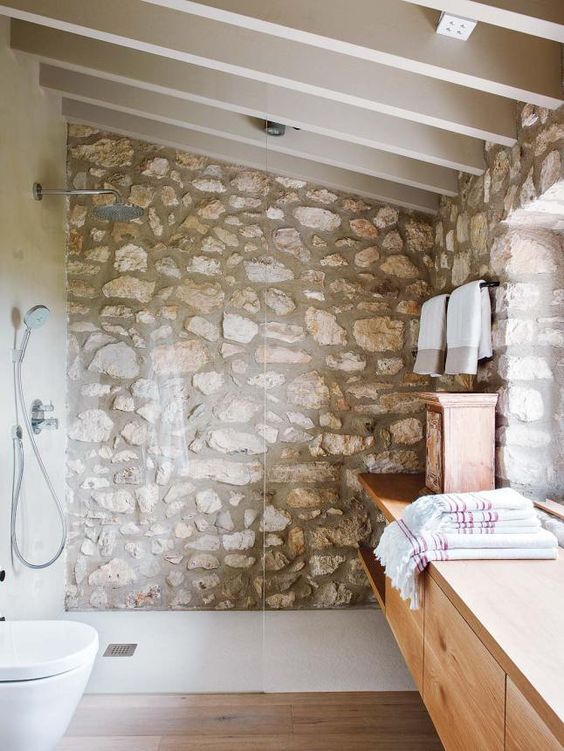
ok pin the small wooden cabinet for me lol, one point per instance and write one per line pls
(460, 442)
(434, 450)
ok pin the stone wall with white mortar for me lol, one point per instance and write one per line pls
(508, 225)
(235, 358)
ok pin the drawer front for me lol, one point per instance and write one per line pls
(407, 627)
(434, 447)
(463, 686)
(525, 730)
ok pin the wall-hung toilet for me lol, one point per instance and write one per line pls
(44, 669)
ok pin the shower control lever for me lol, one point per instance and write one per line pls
(38, 420)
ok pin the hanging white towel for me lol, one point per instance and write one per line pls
(469, 336)
(485, 346)
(431, 344)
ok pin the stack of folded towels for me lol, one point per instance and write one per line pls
(455, 526)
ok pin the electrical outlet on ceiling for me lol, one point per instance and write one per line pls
(455, 26)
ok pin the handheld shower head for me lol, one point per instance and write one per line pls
(36, 316)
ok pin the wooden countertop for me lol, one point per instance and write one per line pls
(392, 493)
(516, 608)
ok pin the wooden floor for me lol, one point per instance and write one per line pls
(252, 722)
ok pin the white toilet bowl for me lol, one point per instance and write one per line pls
(44, 669)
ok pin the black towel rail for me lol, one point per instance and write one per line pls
(483, 285)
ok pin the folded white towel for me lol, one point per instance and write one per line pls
(469, 336)
(502, 554)
(449, 541)
(454, 526)
(431, 343)
(530, 520)
(482, 517)
(404, 554)
(430, 512)
(494, 529)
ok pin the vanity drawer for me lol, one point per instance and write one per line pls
(525, 731)
(463, 686)
(407, 627)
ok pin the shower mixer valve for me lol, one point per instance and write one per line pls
(38, 420)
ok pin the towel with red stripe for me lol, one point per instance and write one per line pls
(492, 524)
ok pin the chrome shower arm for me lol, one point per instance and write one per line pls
(39, 191)
(116, 211)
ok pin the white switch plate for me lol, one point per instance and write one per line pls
(455, 26)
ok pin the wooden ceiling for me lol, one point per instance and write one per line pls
(386, 107)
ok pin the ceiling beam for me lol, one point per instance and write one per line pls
(252, 156)
(394, 33)
(252, 98)
(291, 65)
(542, 18)
(231, 125)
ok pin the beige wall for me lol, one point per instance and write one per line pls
(508, 225)
(236, 358)
(32, 147)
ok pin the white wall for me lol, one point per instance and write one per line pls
(32, 251)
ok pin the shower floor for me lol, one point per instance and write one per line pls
(370, 721)
(230, 652)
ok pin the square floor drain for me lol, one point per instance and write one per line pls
(120, 650)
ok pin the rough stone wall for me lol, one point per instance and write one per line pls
(236, 357)
(507, 225)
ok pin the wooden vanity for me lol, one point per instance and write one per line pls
(486, 648)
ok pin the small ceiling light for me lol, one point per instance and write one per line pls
(455, 26)
(275, 129)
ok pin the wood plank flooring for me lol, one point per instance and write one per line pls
(384, 721)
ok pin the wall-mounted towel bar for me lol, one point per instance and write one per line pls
(488, 284)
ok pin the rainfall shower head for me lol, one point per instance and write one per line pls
(113, 212)
(118, 212)
(36, 316)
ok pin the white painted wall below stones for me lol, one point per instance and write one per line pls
(32, 271)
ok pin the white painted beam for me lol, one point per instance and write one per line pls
(394, 33)
(252, 156)
(275, 61)
(231, 125)
(252, 98)
(542, 18)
